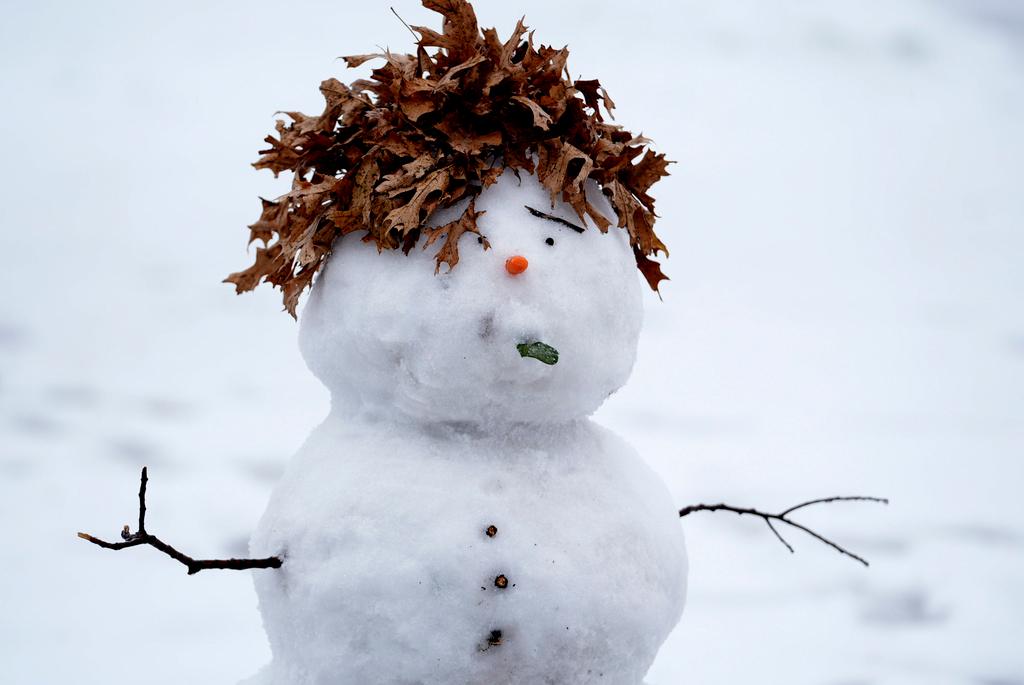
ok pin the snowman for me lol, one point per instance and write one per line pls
(457, 518)
(475, 228)
(471, 229)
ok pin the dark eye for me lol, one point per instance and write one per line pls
(550, 241)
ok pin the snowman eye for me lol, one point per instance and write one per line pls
(550, 241)
(541, 215)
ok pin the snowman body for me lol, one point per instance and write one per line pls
(457, 518)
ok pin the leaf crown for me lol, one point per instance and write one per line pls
(429, 130)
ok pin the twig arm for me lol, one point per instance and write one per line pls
(142, 501)
(779, 536)
(142, 537)
(829, 500)
(783, 517)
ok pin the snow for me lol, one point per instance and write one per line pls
(389, 575)
(440, 428)
(386, 334)
(844, 317)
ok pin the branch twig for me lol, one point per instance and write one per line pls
(414, 34)
(783, 517)
(142, 537)
(550, 217)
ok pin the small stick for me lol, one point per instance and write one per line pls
(414, 34)
(557, 220)
(784, 518)
(142, 500)
(142, 537)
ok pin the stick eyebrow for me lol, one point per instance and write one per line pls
(541, 215)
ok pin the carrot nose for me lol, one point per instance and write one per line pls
(516, 264)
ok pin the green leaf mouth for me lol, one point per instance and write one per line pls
(542, 352)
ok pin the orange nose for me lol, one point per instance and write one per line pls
(516, 265)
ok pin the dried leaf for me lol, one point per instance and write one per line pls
(427, 197)
(650, 269)
(406, 175)
(461, 34)
(563, 169)
(428, 129)
(635, 218)
(273, 220)
(251, 277)
(294, 286)
(541, 119)
(449, 252)
(354, 61)
(647, 172)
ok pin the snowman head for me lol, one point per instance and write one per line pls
(539, 327)
(446, 149)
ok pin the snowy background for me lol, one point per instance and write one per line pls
(845, 316)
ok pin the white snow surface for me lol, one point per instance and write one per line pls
(388, 336)
(844, 316)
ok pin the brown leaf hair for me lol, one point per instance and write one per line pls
(431, 129)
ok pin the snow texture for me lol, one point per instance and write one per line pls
(390, 577)
(439, 429)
